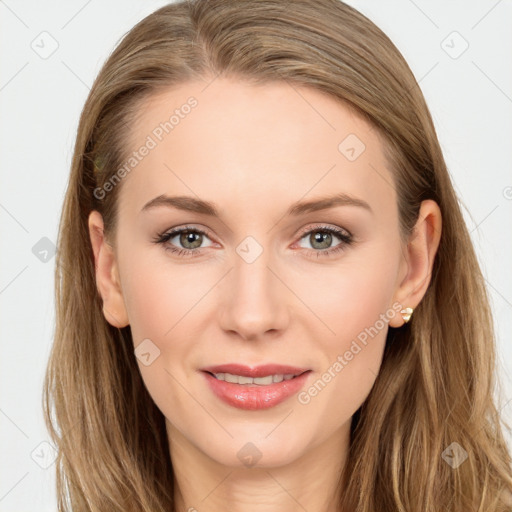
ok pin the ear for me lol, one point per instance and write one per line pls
(419, 259)
(107, 275)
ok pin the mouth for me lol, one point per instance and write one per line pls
(262, 375)
(254, 388)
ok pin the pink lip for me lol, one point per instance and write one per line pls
(253, 396)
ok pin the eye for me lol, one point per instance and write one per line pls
(187, 241)
(190, 239)
(321, 238)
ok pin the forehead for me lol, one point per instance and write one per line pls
(230, 141)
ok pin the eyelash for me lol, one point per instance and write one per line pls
(345, 237)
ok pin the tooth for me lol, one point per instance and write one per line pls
(262, 381)
(265, 381)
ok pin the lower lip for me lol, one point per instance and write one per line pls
(253, 397)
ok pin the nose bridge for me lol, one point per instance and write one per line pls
(251, 274)
(255, 300)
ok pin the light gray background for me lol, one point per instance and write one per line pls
(470, 98)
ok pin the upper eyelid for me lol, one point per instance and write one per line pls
(326, 227)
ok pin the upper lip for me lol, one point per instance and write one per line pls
(255, 371)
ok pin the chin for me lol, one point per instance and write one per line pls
(254, 447)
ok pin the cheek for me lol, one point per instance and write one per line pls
(159, 295)
(157, 301)
(165, 304)
(352, 361)
(349, 297)
(355, 306)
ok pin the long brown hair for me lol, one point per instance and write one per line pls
(436, 383)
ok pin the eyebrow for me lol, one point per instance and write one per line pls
(192, 204)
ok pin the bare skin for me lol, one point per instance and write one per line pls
(253, 151)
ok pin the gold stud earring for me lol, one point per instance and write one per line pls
(406, 314)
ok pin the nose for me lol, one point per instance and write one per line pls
(254, 299)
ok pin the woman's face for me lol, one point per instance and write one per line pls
(264, 281)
